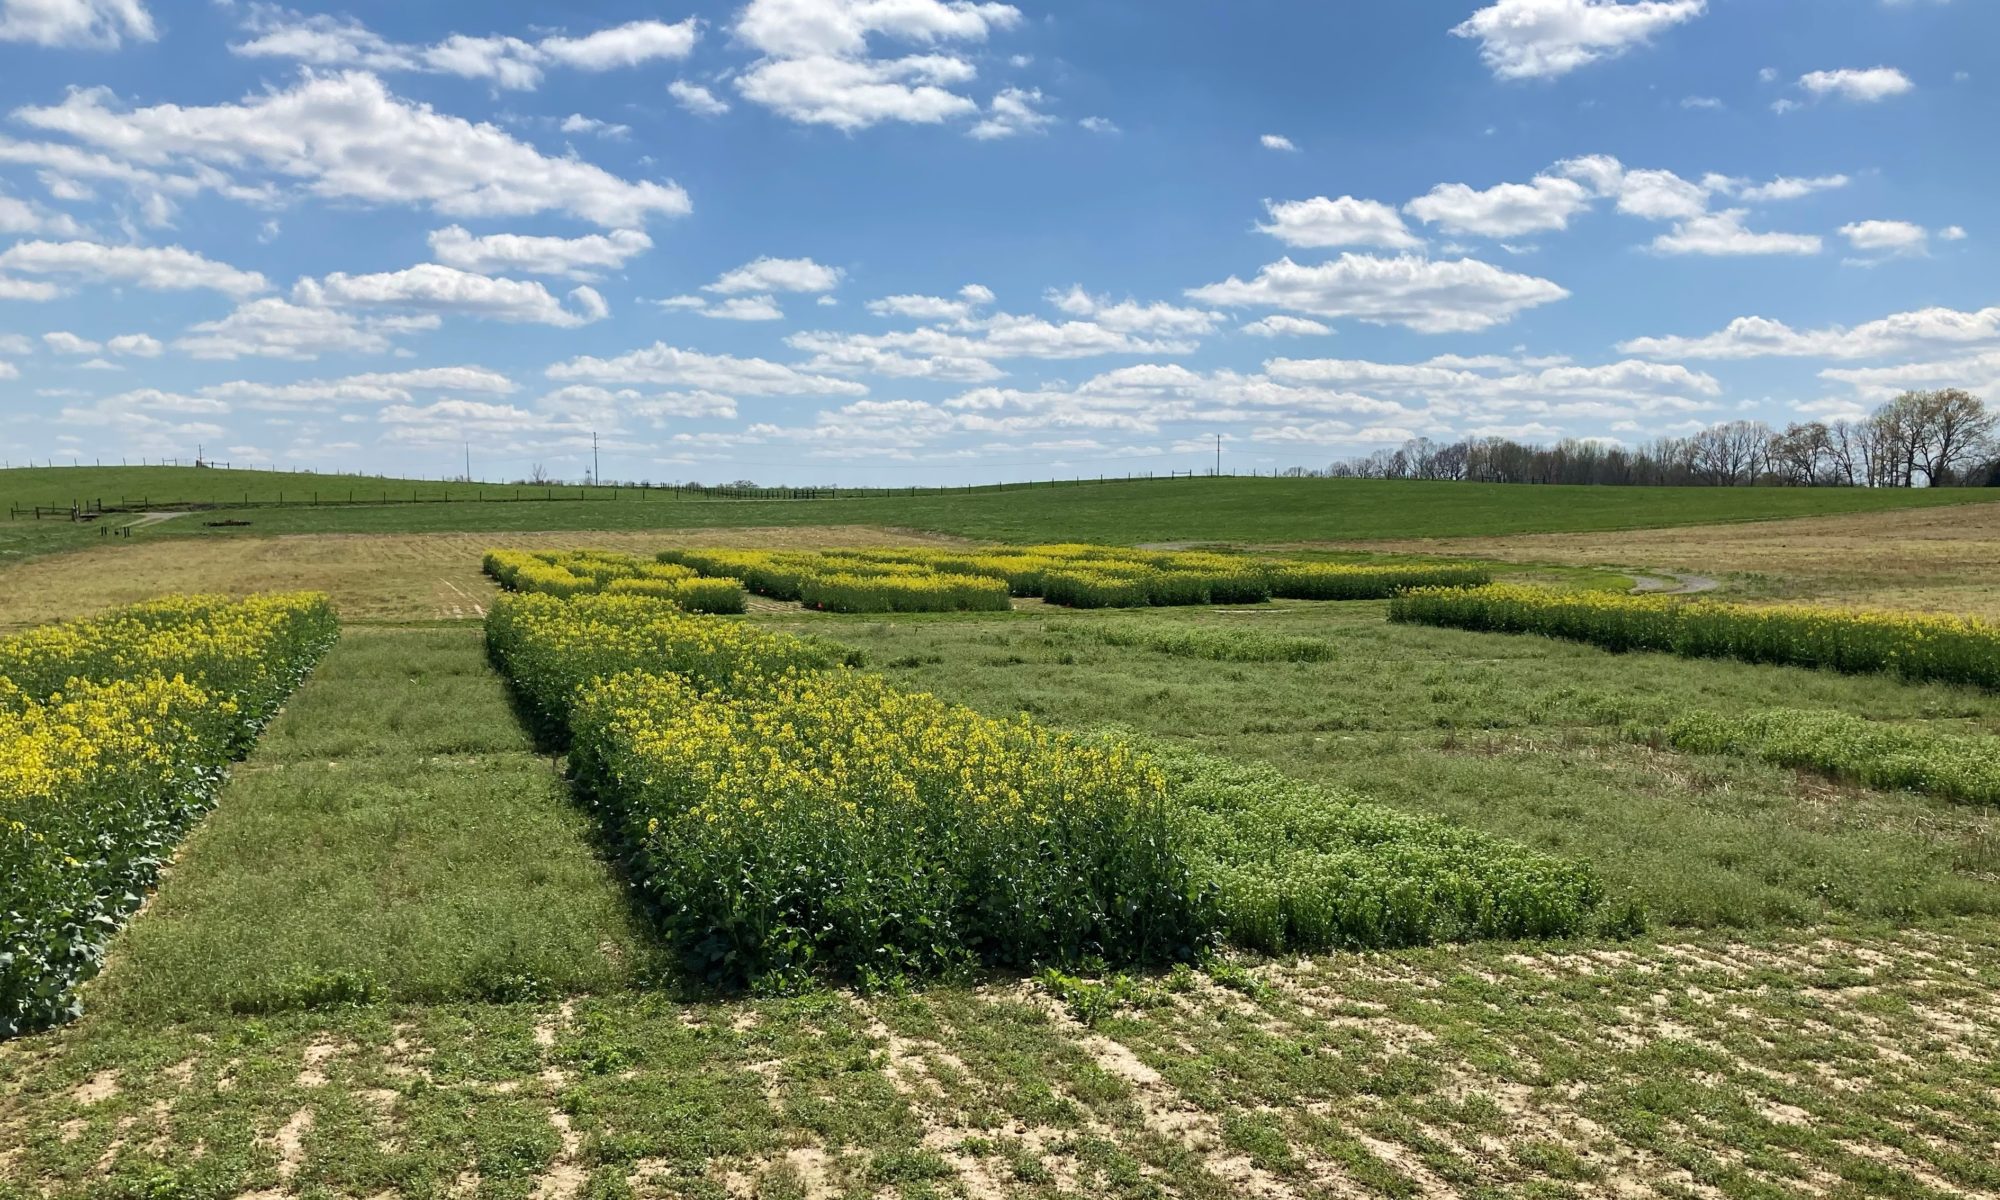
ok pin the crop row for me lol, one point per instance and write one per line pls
(789, 816)
(114, 734)
(587, 572)
(1911, 645)
(1187, 641)
(1073, 575)
(1955, 766)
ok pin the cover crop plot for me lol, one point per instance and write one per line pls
(1073, 575)
(791, 818)
(1912, 645)
(586, 572)
(1962, 767)
(114, 735)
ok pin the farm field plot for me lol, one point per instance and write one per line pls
(1940, 560)
(411, 954)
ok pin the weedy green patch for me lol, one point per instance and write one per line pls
(1955, 766)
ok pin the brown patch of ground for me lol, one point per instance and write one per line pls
(371, 577)
(1935, 559)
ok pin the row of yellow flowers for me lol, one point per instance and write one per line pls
(586, 572)
(788, 816)
(1916, 646)
(1072, 574)
(113, 735)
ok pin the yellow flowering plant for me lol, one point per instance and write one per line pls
(114, 734)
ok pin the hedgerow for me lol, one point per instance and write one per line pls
(1914, 646)
(114, 735)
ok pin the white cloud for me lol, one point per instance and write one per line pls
(574, 258)
(1505, 210)
(1129, 316)
(697, 99)
(722, 373)
(746, 308)
(155, 268)
(933, 308)
(818, 67)
(27, 289)
(578, 123)
(1011, 113)
(346, 137)
(1344, 222)
(84, 24)
(274, 328)
(1103, 125)
(1953, 233)
(1887, 237)
(1277, 141)
(20, 216)
(1278, 325)
(1542, 39)
(1789, 188)
(1723, 234)
(1873, 84)
(1429, 296)
(777, 275)
(63, 342)
(1898, 333)
(135, 345)
(508, 62)
(1709, 103)
(1979, 373)
(432, 288)
(377, 388)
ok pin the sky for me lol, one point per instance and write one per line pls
(946, 241)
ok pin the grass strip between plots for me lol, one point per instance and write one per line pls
(395, 837)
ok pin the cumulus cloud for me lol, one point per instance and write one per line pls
(1505, 210)
(1011, 113)
(1278, 325)
(933, 308)
(1864, 86)
(1321, 222)
(155, 268)
(721, 373)
(1916, 331)
(697, 99)
(20, 216)
(1129, 316)
(64, 342)
(344, 136)
(1789, 188)
(735, 308)
(135, 345)
(435, 289)
(275, 328)
(78, 24)
(777, 275)
(1277, 141)
(1887, 237)
(1723, 234)
(1429, 296)
(818, 66)
(573, 258)
(1543, 39)
(507, 62)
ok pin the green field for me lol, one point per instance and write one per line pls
(1201, 509)
(400, 960)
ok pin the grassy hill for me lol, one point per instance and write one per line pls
(1226, 509)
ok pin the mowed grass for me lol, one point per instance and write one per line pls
(1831, 1063)
(1519, 736)
(394, 836)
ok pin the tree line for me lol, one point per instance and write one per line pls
(1943, 438)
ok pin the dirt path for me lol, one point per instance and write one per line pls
(1672, 583)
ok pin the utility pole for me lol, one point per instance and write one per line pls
(596, 473)
(468, 462)
(1218, 456)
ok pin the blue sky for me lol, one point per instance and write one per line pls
(920, 241)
